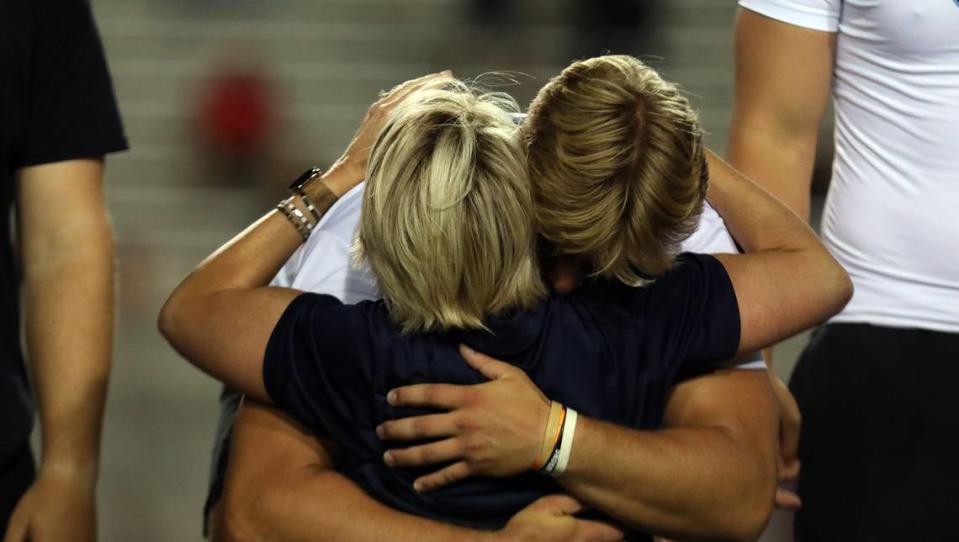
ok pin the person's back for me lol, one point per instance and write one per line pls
(608, 350)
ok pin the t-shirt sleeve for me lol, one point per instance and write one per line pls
(73, 111)
(813, 14)
(692, 315)
(314, 366)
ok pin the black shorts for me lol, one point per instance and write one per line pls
(16, 475)
(880, 435)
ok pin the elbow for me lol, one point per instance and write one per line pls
(846, 289)
(240, 518)
(168, 320)
(173, 321)
(746, 519)
(749, 503)
(841, 287)
(751, 521)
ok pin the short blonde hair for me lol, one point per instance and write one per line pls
(447, 223)
(617, 166)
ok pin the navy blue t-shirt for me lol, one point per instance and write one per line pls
(610, 351)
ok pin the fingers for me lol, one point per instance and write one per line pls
(419, 427)
(787, 499)
(489, 367)
(442, 396)
(789, 471)
(426, 454)
(597, 531)
(445, 476)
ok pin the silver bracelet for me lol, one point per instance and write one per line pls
(309, 204)
(296, 217)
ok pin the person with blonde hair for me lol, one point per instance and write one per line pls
(617, 165)
(608, 349)
(449, 173)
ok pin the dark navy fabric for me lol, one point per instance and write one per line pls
(607, 350)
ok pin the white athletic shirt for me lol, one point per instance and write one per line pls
(892, 213)
(323, 263)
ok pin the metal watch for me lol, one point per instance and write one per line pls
(306, 178)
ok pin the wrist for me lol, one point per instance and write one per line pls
(83, 473)
(341, 178)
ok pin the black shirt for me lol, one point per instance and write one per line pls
(607, 350)
(56, 103)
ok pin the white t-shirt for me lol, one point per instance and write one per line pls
(323, 263)
(891, 213)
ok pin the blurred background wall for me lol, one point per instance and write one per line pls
(225, 100)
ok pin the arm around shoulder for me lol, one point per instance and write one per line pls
(786, 281)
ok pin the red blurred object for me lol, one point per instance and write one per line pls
(237, 114)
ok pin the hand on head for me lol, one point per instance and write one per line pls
(356, 157)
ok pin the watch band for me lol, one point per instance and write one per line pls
(304, 179)
(300, 182)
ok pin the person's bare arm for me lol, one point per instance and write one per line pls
(274, 462)
(711, 473)
(67, 256)
(221, 316)
(280, 487)
(786, 281)
(783, 75)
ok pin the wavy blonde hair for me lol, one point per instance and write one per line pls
(447, 224)
(617, 166)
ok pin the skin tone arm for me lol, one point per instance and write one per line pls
(711, 473)
(221, 316)
(783, 75)
(67, 257)
(281, 486)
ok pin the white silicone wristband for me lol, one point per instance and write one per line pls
(569, 431)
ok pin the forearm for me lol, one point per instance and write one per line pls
(780, 249)
(317, 504)
(685, 482)
(252, 258)
(68, 282)
(281, 486)
(220, 317)
(757, 220)
(780, 159)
